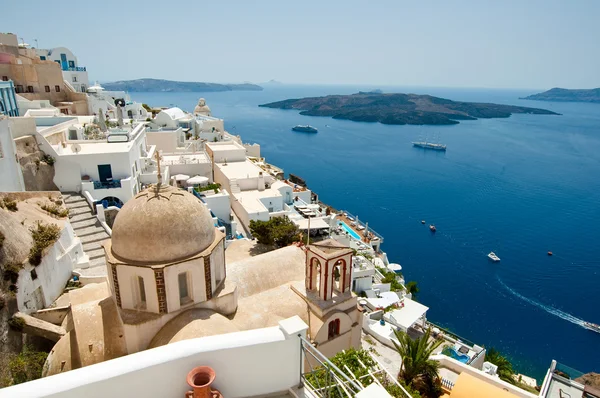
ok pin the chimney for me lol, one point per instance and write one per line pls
(261, 181)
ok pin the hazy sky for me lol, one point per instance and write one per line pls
(453, 43)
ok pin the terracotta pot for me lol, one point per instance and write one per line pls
(200, 379)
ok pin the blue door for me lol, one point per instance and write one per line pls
(104, 172)
(63, 62)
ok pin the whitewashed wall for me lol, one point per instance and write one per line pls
(52, 274)
(219, 204)
(251, 363)
(11, 177)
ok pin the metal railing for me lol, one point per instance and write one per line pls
(107, 184)
(77, 69)
(359, 222)
(324, 378)
(447, 384)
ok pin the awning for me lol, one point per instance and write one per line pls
(197, 180)
(407, 316)
(315, 223)
(181, 177)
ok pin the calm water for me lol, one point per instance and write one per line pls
(519, 186)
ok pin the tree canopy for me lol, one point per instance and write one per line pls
(278, 231)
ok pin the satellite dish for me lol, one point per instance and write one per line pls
(120, 102)
(76, 148)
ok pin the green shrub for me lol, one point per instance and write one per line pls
(10, 204)
(44, 235)
(11, 272)
(55, 210)
(215, 187)
(16, 323)
(25, 366)
(49, 160)
(278, 231)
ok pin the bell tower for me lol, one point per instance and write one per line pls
(328, 269)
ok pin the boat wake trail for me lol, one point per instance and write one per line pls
(551, 310)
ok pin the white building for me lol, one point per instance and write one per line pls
(74, 74)
(113, 167)
(11, 177)
(100, 100)
(173, 118)
(256, 193)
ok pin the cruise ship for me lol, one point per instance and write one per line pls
(305, 129)
(429, 145)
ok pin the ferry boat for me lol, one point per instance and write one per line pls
(592, 326)
(305, 129)
(492, 256)
(432, 228)
(429, 145)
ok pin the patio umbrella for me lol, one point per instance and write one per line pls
(197, 180)
(367, 229)
(182, 177)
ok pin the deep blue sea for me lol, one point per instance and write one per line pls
(519, 186)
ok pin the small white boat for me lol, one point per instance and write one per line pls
(492, 256)
(591, 326)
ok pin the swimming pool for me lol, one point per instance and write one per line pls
(451, 352)
(350, 230)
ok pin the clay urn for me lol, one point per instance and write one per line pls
(200, 379)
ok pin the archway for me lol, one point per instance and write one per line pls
(341, 279)
(314, 274)
(111, 201)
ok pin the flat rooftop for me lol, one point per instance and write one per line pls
(188, 158)
(251, 200)
(225, 146)
(239, 170)
(93, 147)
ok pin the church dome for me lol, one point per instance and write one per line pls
(161, 225)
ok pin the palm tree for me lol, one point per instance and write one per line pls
(417, 369)
(505, 370)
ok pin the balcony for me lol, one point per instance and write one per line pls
(76, 69)
(107, 184)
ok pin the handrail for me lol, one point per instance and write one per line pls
(307, 346)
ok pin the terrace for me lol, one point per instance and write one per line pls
(562, 381)
(275, 362)
(357, 229)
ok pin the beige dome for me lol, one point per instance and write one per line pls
(161, 225)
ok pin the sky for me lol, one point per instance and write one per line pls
(438, 43)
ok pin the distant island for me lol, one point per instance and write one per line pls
(566, 95)
(155, 85)
(400, 108)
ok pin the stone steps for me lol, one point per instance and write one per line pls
(88, 229)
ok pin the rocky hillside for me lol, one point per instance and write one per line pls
(400, 108)
(156, 85)
(566, 95)
(37, 167)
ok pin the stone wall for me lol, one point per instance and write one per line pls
(37, 174)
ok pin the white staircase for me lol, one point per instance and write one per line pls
(88, 229)
(233, 186)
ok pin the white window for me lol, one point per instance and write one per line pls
(184, 288)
